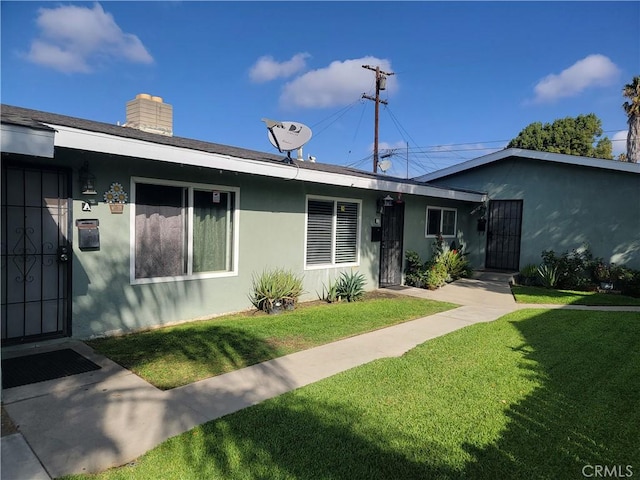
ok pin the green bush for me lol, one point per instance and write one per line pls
(574, 270)
(414, 269)
(435, 276)
(445, 265)
(455, 264)
(275, 290)
(528, 275)
(350, 286)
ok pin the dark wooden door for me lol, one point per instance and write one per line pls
(504, 230)
(36, 253)
(391, 245)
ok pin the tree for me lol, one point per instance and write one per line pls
(632, 109)
(572, 136)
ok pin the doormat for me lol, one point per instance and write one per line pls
(44, 366)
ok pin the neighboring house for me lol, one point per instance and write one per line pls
(547, 201)
(199, 221)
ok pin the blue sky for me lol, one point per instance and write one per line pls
(468, 76)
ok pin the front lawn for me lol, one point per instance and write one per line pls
(175, 356)
(537, 394)
(548, 296)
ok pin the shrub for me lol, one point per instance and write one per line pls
(446, 264)
(630, 283)
(276, 289)
(574, 270)
(548, 276)
(455, 264)
(350, 286)
(528, 275)
(435, 276)
(330, 293)
(414, 269)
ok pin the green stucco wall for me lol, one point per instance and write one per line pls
(271, 235)
(565, 206)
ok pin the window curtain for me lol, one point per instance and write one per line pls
(160, 231)
(211, 230)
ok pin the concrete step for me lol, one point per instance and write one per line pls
(492, 276)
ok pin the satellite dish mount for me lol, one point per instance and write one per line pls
(287, 136)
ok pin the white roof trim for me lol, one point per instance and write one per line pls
(545, 156)
(104, 143)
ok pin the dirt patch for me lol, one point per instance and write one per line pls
(8, 427)
(295, 342)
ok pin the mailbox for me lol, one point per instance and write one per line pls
(88, 234)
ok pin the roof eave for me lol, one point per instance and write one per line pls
(534, 155)
(68, 137)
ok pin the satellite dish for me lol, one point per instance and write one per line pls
(384, 165)
(287, 136)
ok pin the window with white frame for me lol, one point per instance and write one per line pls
(441, 221)
(183, 230)
(333, 232)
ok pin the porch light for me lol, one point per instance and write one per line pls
(388, 201)
(87, 180)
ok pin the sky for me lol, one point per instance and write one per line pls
(465, 77)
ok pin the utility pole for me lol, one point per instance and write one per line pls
(381, 84)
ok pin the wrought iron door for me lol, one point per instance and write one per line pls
(391, 245)
(503, 234)
(36, 228)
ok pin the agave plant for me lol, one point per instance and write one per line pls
(350, 286)
(548, 276)
(275, 290)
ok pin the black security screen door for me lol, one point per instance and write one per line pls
(503, 235)
(391, 245)
(35, 253)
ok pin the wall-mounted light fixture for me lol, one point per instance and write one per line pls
(388, 201)
(87, 180)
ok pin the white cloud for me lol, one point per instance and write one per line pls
(266, 68)
(72, 37)
(591, 71)
(340, 83)
(619, 142)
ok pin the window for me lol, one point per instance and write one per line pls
(332, 232)
(183, 230)
(441, 221)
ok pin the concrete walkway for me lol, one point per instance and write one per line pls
(96, 420)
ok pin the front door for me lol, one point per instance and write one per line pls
(503, 234)
(36, 236)
(391, 245)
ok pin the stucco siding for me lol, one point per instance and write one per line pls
(565, 206)
(271, 235)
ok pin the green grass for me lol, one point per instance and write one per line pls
(538, 394)
(175, 356)
(541, 295)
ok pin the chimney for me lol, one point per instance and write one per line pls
(150, 114)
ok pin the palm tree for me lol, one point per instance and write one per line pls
(632, 109)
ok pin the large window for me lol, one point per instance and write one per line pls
(441, 221)
(332, 232)
(183, 230)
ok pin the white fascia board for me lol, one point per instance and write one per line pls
(27, 141)
(534, 155)
(103, 143)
